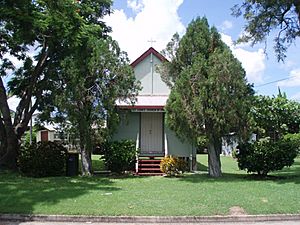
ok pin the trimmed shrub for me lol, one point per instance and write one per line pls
(42, 159)
(172, 166)
(294, 138)
(264, 156)
(119, 156)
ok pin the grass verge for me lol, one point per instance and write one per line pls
(189, 195)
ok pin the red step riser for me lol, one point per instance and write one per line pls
(149, 167)
(150, 161)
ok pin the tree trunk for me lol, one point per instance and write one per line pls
(3, 139)
(214, 162)
(9, 158)
(86, 162)
(85, 149)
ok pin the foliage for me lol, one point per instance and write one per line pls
(80, 70)
(264, 16)
(265, 155)
(119, 156)
(275, 116)
(294, 138)
(26, 139)
(210, 96)
(172, 166)
(42, 159)
(94, 76)
(50, 30)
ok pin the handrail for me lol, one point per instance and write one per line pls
(166, 145)
(137, 152)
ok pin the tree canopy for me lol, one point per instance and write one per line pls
(209, 96)
(92, 78)
(282, 16)
(275, 116)
(48, 30)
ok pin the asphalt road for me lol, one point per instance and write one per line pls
(212, 223)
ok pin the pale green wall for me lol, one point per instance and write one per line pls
(128, 127)
(143, 74)
(176, 146)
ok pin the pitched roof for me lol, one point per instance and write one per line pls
(147, 53)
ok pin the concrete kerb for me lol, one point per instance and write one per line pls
(149, 219)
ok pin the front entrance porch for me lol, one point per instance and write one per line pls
(152, 130)
(151, 144)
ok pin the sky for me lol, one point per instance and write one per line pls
(140, 24)
(136, 22)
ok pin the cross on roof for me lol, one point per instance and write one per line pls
(151, 41)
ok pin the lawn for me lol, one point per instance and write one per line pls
(191, 194)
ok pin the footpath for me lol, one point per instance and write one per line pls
(20, 219)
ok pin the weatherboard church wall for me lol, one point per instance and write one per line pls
(143, 74)
(129, 125)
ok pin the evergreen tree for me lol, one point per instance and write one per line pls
(209, 96)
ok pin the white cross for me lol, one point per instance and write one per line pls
(151, 41)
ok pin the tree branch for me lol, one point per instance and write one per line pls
(4, 108)
(25, 101)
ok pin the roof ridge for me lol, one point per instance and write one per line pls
(145, 54)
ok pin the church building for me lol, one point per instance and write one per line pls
(144, 122)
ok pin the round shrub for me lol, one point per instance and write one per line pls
(42, 159)
(119, 156)
(172, 166)
(265, 155)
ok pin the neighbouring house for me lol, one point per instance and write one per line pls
(49, 133)
(52, 133)
(144, 122)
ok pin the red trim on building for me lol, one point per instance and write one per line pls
(145, 54)
(142, 107)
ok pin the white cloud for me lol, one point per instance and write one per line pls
(292, 81)
(226, 25)
(154, 19)
(13, 102)
(252, 61)
(135, 5)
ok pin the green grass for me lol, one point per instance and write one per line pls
(191, 194)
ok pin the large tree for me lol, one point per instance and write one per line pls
(275, 116)
(209, 96)
(92, 78)
(49, 29)
(282, 16)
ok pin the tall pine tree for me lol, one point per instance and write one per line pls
(209, 96)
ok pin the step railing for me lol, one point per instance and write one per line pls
(166, 145)
(137, 145)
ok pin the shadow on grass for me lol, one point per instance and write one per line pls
(23, 195)
(287, 175)
(204, 177)
(201, 167)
